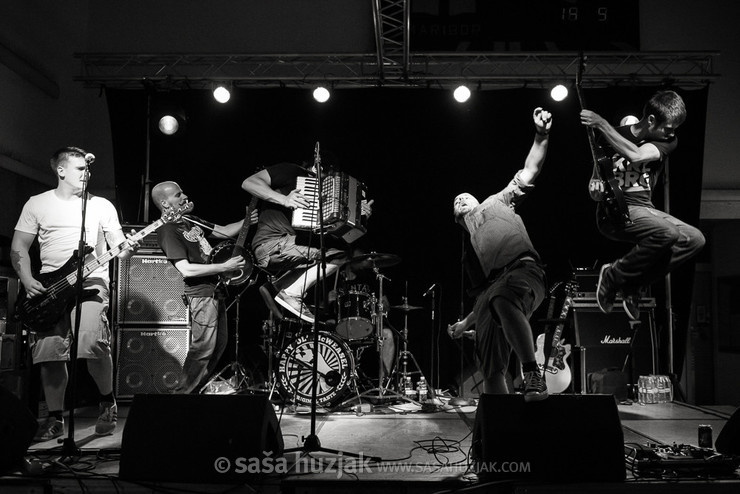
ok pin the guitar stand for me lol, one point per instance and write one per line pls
(239, 378)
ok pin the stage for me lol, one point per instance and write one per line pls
(400, 450)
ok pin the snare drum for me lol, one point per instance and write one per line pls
(355, 307)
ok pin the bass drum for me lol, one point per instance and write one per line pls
(335, 367)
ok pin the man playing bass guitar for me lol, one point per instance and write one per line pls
(54, 217)
(662, 242)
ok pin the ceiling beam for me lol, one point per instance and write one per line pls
(488, 70)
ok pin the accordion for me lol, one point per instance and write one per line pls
(342, 197)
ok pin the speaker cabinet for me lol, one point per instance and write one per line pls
(150, 359)
(150, 291)
(199, 438)
(607, 338)
(17, 428)
(728, 440)
(565, 438)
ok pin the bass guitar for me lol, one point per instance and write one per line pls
(41, 313)
(556, 370)
(228, 248)
(614, 204)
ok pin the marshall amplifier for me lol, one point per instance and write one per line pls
(608, 338)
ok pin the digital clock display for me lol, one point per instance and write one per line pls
(525, 25)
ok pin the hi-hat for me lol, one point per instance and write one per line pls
(374, 260)
(406, 307)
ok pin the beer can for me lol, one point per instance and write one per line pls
(705, 436)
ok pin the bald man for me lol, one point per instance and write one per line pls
(186, 247)
(515, 279)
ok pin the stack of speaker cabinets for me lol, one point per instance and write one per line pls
(610, 341)
(151, 322)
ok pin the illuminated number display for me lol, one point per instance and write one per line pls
(525, 25)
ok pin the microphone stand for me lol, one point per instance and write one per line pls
(312, 443)
(69, 447)
(460, 400)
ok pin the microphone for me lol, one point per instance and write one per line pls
(429, 290)
(89, 158)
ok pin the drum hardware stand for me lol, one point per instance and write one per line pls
(312, 443)
(405, 354)
(239, 376)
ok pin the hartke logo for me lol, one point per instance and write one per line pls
(612, 340)
(154, 261)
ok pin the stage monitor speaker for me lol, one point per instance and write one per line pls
(607, 338)
(728, 440)
(150, 291)
(17, 428)
(565, 438)
(149, 359)
(200, 438)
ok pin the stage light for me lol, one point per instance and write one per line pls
(221, 93)
(461, 94)
(559, 92)
(168, 116)
(168, 125)
(629, 120)
(321, 94)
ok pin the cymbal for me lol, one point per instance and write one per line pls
(406, 307)
(374, 260)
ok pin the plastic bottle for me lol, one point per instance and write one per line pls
(422, 389)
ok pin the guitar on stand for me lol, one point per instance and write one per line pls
(615, 207)
(556, 370)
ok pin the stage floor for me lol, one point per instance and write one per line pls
(412, 451)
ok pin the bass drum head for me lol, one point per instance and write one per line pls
(334, 368)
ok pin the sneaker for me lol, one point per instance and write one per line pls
(535, 387)
(107, 419)
(50, 429)
(294, 305)
(605, 293)
(631, 304)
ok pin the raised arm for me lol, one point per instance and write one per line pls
(630, 150)
(537, 153)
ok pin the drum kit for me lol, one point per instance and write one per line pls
(360, 313)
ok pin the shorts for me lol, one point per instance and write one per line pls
(94, 337)
(524, 285)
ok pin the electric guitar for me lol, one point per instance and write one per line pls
(557, 372)
(228, 249)
(41, 313)
(615, 205)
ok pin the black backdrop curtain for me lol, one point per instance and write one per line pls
(415, 149)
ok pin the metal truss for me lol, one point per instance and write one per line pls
(393, 65)
(392, 22)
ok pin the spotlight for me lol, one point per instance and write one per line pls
(629, 120)
(461, 94)
(168, 116)
(221, 93)
(321, 94)
(559, 92)
(168, 125)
